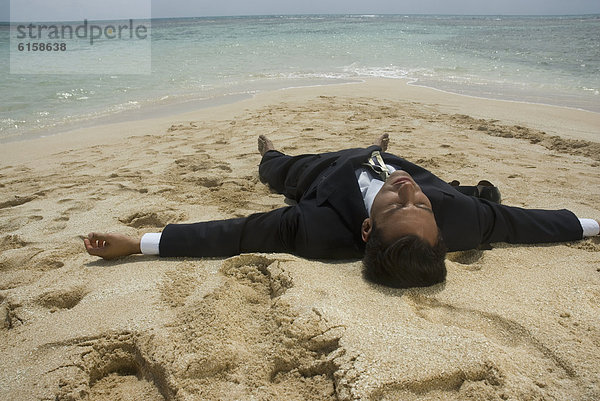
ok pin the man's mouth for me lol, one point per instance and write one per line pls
(401, 181)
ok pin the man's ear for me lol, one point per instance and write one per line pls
(365, 230)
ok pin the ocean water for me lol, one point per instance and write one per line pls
(198, 62)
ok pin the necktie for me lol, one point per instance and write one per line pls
(377, 164)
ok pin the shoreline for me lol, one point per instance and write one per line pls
(415, 83)
(152, 109)
(565, 122)
(195, 105)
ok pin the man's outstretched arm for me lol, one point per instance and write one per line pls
(502, 223)
(111, 246)
(274, 231)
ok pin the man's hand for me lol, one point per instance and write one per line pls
(111, 246)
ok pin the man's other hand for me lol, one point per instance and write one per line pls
(111, 246)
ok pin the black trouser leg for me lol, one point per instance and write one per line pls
(282, 172)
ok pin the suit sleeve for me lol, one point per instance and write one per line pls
(500, 223)
(273, 231)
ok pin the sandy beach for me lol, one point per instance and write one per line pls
(510, 323)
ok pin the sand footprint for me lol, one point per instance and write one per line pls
(11, 241)
(243, 341)
(16, 200)
(207, 182)
(200, 170)
(63, 298)
(25, 265)
(15, 312)
(481, 382)
(116, 367)
(504, 331)
(258, 269)
(468, 260)
(10, 316)
(197, 162)
(182, 127)
(18, 258)
(225, 167)
(179, 284)
(150, 219)
(483, 379)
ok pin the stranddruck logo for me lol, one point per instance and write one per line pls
(86, 46)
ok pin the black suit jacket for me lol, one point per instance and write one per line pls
(326, 222)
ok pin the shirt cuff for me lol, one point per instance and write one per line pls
(149, 243)
(590, 227)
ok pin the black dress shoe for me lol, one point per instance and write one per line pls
(484, 190)
(489, 191)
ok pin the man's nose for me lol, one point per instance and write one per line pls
(406, 192)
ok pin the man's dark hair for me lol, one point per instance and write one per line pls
(408, 262)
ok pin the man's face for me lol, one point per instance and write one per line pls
(401, 208)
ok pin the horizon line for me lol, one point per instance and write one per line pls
(320, 14)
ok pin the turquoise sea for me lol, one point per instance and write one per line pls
(197, 62)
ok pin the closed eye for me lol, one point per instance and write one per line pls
(399, 206)
(424, 207)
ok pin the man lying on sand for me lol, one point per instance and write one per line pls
(358, 203)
